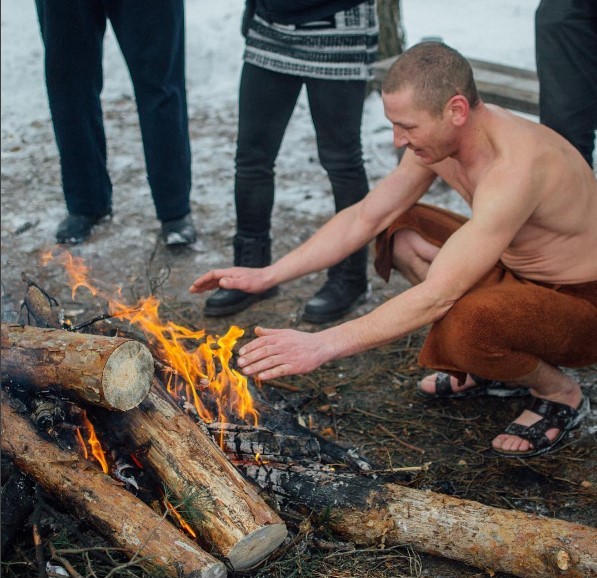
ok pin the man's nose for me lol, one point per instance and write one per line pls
(400, 139)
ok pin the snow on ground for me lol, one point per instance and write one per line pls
(32, 200)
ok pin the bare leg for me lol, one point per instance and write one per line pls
(545, 382)
(413, 255)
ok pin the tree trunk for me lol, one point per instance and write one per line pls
(368, 511)
(112, 510)
(234, 519)
(391, 34)
(111, 372)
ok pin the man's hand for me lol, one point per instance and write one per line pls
(243, 278)
(279, 352)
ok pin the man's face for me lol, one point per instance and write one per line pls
(429, 137)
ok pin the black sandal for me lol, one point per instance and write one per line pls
(489, 387)
(555, 415)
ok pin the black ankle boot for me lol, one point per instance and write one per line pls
(249, 251)
(345, 289)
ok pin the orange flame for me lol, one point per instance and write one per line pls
(174, 513)
(197, 361)
(94, 444)
(76, 270)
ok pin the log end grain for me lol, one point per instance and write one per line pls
(256, 546)
(127, 375)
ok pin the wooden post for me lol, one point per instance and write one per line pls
(111, 372)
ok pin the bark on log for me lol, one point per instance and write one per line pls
(112, 510)
(110, 372)
(234, 518)
(367, 511)
(39, 307)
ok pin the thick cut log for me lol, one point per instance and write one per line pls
(110, 372)
(233, 519)
(368, 511)
(114, 512)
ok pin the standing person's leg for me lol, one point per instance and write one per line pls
(566, 53)
(337, 111)
(266, 102)
(151, 36)
(73, 35)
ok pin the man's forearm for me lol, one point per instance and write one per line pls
(341, 236)
(417, 307)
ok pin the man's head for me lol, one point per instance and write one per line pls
(434, 73)
(428, 95)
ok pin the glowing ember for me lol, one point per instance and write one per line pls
(196, 361)
(94, 444)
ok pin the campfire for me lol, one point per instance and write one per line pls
(147, 430)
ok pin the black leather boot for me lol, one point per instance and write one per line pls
(249, 251)
(345, 289)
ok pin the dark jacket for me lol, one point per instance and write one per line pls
(300, 11)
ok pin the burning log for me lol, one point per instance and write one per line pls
(234, 519)
(244, 442)
(368, 512)
(112, 510)
(111, 372)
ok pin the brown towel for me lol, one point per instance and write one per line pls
(504, 325)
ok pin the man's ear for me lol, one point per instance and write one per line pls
(458, 109)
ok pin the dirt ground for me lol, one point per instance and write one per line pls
(364, 401)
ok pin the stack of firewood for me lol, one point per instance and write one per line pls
(116, 376)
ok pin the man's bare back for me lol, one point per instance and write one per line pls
(552, 245)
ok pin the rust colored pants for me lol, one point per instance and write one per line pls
(504, 325)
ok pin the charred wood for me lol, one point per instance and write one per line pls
(17, 504)
(244, 443)
(370, 511)
(105, 504)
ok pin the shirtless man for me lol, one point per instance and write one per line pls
(510, 294)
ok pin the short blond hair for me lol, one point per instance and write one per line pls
(435, 72)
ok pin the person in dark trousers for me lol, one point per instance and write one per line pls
(151, 36)
(566, 54)
(328, 47)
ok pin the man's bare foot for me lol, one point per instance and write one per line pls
(531, 434)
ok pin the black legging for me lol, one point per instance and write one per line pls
(151, 36)
(566, 51)
(266, 102)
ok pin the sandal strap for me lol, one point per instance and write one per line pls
(443, 386)
(557, 414)
(554, 415)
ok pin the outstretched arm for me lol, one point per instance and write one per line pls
(342, 235)
(463, 260)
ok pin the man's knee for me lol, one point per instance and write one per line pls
(410, 248)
